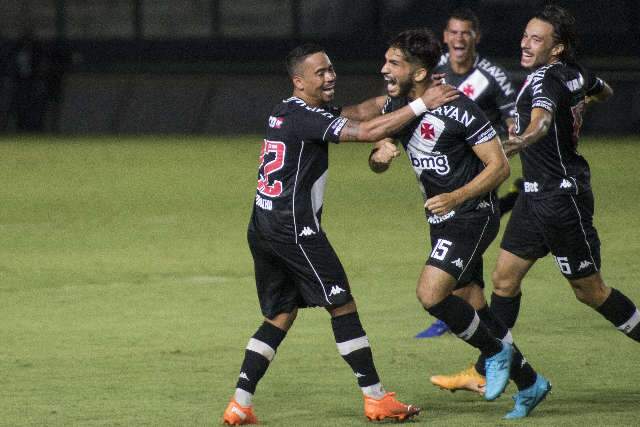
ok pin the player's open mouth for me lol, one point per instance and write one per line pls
(391, 83)
(329, 90)
(526, 55)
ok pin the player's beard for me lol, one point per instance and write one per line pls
(404, 87)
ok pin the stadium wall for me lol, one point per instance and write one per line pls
(121, 103)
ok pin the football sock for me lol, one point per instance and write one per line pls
(506, 308)
(353, 346)
(619, 310)
(260, 351)
(522, 373)
(466, 324)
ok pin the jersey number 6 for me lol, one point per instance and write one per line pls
(271, 147)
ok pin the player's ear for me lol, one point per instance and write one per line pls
(557, 50)
(420, 75)
(478, 36)
(298, 82)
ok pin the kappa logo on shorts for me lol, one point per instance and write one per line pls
(306, 232)
(335, 290)
(566, 184)
(584, 264)
(359, 375)
(244, 376)
(458, 263)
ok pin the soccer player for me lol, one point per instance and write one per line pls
(555, 212)
(458, 160)
(486, 83)
(295, 266)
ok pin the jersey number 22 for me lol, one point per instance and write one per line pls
(271, 147)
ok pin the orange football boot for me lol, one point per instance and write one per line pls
(388, 407)
(469, 379)
(236, 415)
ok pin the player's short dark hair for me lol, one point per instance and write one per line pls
(419, 46)
(299, 54)
(466, 14)
(564, 29)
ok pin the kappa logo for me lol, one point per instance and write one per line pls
(483, 205)
(335, 290)
(566, 184)
(244, 376)
(584, 264)
(306, 232)
(359, 375)
(458, 263)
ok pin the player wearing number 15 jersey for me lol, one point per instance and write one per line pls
(295, 266)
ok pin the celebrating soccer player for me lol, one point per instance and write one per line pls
(295, 266)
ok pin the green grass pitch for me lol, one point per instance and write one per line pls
(127, 292)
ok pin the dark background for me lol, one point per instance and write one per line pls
(216, 66)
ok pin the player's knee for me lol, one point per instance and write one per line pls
(426, 296)
(504, 285)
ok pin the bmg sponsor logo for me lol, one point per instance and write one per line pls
(438, 163)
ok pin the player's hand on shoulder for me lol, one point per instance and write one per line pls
(438, 95)
(442, 204)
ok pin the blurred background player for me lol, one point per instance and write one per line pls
(555, 211)
(489, 86)
(295, 265)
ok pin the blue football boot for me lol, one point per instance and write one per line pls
(497, 369)
(527, 399)
(436, 329)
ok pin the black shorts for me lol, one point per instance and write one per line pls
(290, 275)
(562, 225)
(458, 244)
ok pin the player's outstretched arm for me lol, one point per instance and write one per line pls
(389, 124)
(437, 95)
(538, 127)
(382, 154)
(495, 172)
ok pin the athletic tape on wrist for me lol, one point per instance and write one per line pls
(418, 106)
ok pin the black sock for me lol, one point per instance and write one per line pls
(354, 348)
(506, 308)
(466, 324)
(619, 310)
(260, 351)
(522, 373)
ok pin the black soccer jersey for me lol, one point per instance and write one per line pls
(485, 83)
(552, 165)
(293, 170)
(439, 146)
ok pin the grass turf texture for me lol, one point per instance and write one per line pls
(127, 292)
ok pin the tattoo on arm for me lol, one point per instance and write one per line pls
(350, 131)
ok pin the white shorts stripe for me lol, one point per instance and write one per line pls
(350, 346)
(262, 348)
(473, 327)
(631, 323)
